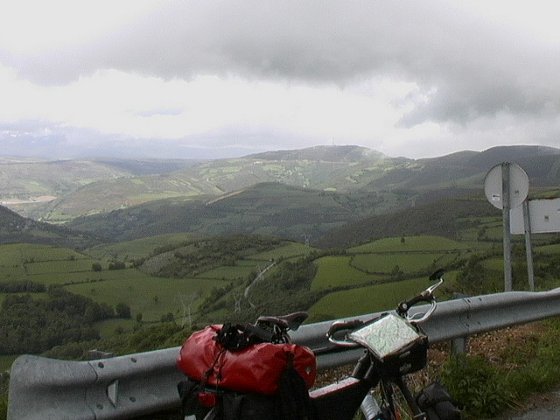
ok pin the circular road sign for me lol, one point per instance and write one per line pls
(518, 185)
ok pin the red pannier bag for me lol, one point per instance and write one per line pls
(257, 368)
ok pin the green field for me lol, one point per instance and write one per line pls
(292, 249)
(236, 272)
(110, 327)
(410, 244)
(406, 262)
(374, 298)
(337, 272)
(365, 299)
(138, 248)
(16, 254)
(151, 296)
(496, 264)
(548, 249)
(364, 276)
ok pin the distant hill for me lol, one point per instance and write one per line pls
(349, 154)
(33, 187)
(269, 209)
(467, 169)
(107, 185)
(338, 168)
(441, 218)
(141, 167)
(17, 229)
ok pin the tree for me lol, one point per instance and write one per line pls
(168, 317)
(122, 310)
(96, 267)
(117, 265)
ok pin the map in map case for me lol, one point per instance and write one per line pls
(386, 336)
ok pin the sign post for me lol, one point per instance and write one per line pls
(528, 246)
(506, 187)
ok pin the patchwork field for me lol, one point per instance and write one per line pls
(369, 299)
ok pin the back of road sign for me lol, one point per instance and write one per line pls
(518, 185)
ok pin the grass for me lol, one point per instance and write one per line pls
(548, 249)
(137, 248)
(365, 299)
(495, 264)
(6, 362)
(529, 364)
(236, 272)
(292, 249)
(110, 327)
(151, 296)
(337, 272)
(9, 254)
(407, 263)
(410, 244)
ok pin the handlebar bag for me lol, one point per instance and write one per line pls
(256, 368)
(398, 346)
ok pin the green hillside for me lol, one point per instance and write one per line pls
(15, 229)
(61, 191)
(450, 218)
(107, 195)
(267, 209)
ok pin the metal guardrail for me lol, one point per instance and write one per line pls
(145, 383)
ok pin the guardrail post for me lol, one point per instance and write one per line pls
(459, 345)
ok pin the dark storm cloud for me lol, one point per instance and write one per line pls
(464, 67)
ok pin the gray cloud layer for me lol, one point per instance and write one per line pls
(471, 68)
(465, 67)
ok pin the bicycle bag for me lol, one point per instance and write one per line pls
(398, 346)
(253, 368)
(436, 402)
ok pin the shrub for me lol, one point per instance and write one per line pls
(3, 407)
(122, 310)
(477, 385)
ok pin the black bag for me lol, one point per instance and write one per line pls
(436, 402)
(232, 405)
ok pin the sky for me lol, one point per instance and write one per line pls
(214, 79)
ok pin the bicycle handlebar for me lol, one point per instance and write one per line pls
(402, 310)
(343, 326)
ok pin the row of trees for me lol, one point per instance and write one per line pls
(34, 325)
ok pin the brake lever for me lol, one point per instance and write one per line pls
(427, 294)
(430, 290)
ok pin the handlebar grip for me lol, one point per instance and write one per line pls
(343, 325)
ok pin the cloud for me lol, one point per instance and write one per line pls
(471, 65)
(380, 73)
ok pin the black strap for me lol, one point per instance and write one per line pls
(238, 337)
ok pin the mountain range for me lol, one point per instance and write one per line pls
(307, 193)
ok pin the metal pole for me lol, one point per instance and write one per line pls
(528, 246)
(506, 201)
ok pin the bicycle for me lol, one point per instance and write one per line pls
(394, 347)
(388, 359)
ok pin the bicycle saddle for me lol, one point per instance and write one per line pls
(291, 321)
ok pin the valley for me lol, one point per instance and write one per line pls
(127, 260)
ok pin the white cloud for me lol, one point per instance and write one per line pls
(408, 78)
